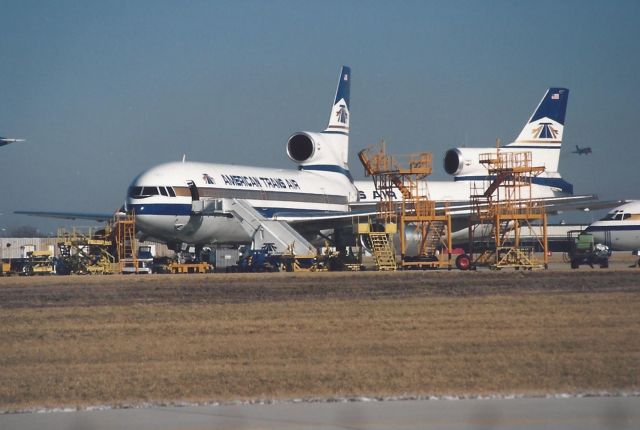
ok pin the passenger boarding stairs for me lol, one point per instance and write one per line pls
(436, 230)
(262, 230)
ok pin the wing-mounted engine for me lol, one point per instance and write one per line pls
(305, 148)
(465, 161)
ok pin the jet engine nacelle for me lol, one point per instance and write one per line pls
(310, 148)
(304, 147)
(465, 161)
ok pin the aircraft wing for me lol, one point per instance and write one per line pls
(98, 217)
(553, 205)
(6, 141)
(295, 218)
(566, 204)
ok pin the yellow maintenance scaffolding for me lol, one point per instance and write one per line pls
(86, 250)
(425, 241)
(104, 250)
(503, 210)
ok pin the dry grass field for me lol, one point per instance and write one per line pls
(113, 340)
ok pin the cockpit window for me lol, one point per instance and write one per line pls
(163, 191)
(150, 191)
(616, 216)
(135, 192)
(142, 192)
(172, 193)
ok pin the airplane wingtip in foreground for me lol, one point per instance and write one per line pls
(6, 140)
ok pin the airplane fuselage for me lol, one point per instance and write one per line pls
(455, 192)
(163, 198)
(619, 229)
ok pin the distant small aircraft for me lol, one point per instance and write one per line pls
(6, 141)
(580, 151)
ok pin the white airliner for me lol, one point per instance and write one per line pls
(183, 202)
(620, 228)
(541, 135)
(203, 203)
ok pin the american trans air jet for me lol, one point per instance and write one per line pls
(541, 135)
(204, 203)
(201, 204)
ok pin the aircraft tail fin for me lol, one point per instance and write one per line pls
(542, 134)
(327, 151)
(339, 117)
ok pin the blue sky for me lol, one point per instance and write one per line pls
(105, 89)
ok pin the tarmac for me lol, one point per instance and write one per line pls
(558, 413)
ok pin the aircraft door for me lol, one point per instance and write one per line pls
(193, 189)
(607, 237)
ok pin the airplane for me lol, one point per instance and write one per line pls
(321, 188)
(619, 229)
(580, 151)
(541, 135)
(202, 204)
(5, 141)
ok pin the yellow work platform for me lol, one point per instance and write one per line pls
(190, 267)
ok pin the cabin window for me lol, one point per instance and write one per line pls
(163, 191)
(172, 193)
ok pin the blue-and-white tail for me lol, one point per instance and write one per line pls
(327, 151)
(542, 134)
(339, 118)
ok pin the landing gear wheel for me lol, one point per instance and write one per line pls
(463, 262)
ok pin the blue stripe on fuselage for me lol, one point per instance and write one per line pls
(547, 182)
(532, 146)
(185, 210)
(343, 133)
(160, 209)
(626, 227)
(328, 168)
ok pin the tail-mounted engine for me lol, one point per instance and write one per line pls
(316, 148)
(302, 147)
(465, 161)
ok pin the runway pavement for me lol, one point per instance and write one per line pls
(583, 413)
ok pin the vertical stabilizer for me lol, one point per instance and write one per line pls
(327, 151)
(542, 134)
(339, 117)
